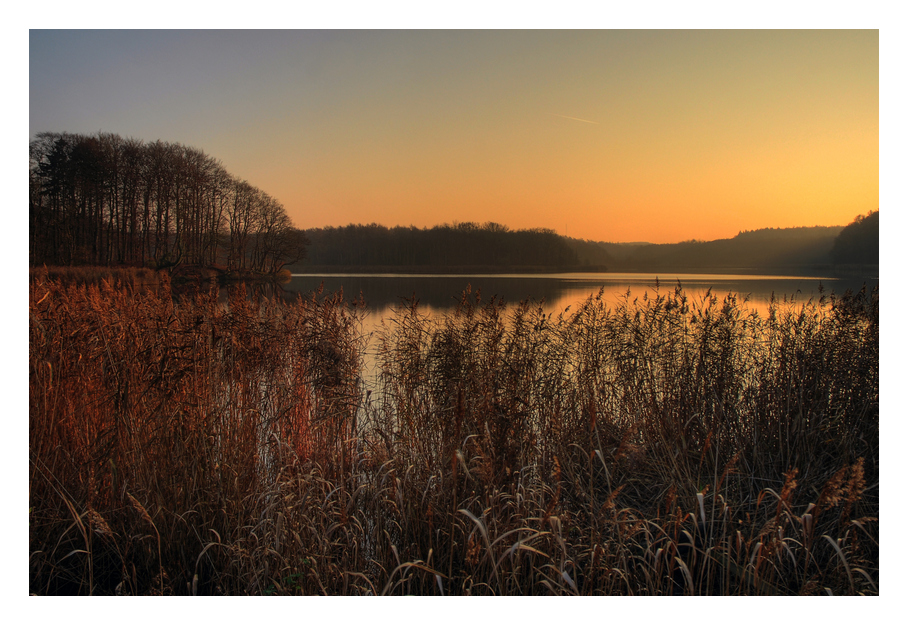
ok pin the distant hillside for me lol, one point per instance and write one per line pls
(859, 241)
(490, 247)
(769, 249)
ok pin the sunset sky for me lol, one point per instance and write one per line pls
(657, 136)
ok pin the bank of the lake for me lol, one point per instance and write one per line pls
(661, 444)
(181, 275)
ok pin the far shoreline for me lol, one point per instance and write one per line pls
(826, 271)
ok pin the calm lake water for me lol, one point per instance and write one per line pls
(439, 293)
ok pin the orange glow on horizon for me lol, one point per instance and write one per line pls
(657, 136)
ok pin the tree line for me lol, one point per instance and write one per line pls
(466, 245)
(492, 246)
(107, 200)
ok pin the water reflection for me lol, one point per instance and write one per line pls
(439, 293)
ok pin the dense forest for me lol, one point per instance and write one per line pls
(494, 247)
(462, 245)
(107, 200)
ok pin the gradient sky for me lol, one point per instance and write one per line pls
(657, 136)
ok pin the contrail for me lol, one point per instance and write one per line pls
(577, 119)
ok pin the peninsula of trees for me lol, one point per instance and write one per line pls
(105, 200)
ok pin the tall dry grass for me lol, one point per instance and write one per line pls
(660, 446)
(93, 274)
(161, 433)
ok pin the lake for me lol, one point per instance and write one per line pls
(439, 293)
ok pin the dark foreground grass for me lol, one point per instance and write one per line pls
(660, 446)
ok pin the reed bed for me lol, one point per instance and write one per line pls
(657, 447)
(93, 274)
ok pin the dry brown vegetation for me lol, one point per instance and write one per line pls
(661, 446)
(93, 274)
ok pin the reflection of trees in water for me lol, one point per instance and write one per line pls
(381, 292)
(443, 293)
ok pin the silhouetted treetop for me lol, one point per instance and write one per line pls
(467, 245)
(767, 249)
(462, 245)
(859, 241)
(102, 199)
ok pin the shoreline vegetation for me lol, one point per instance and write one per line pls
(661, 446)
(202, 275)
(184, 275)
